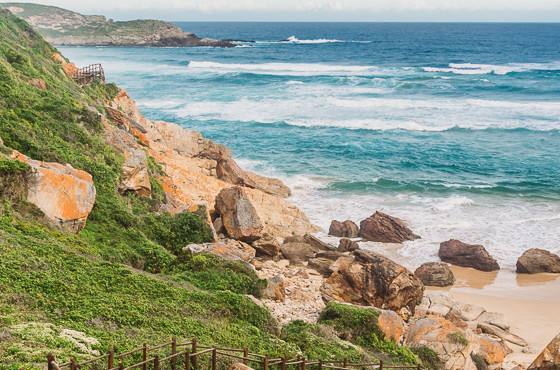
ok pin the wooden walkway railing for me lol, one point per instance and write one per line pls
(193, 354)
(86, 75)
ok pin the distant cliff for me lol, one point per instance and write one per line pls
(64, 27)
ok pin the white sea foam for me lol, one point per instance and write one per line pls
(306, 69)
(295, 40)
(480, 69)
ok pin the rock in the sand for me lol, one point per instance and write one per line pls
(468, 312)
(462, 254)
(297, 252)
(500, 333)
(276, 289)
(346, 229)
(239, 217)
(347, 245)
(535, 260)
(373, 280)
(435, 274)
(267, 246)
(317, 244)
(494, 318)
(549, 358)
(321, 265)
(381, 227)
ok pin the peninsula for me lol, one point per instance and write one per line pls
(61, 27)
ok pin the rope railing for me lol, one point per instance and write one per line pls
(191, 357)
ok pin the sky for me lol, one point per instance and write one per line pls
(320, 10)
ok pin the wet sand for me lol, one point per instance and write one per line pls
(531, 304)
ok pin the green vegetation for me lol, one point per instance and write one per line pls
(360, 326)
(479, 362)
(428, 358)
(458, 338)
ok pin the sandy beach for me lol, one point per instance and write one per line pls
(530, 303)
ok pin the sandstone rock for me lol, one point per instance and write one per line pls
(468, 312)
(330, 255)
(380, 227)
(232, 251)
(549, 358)
(238, 215)
(491, 351)
(270, 264)
(500, 333)
(317, 244)
(294, 239)
(321, 265)
(458, 253)
(297, 252)
(38, 83)
(494, 318)
(347, 245)
(64, 194)
(442, 298)
(435, 274)
(441, 336)
(276, 289)
(341, 260)
(391, 325)
(283, 264)
(258, 265)
(240, 366)
(227, 170)
(535, 260)
(456, 319)
(372, 279)
(269, 185)
(438, 310)
(267, 246)
(346, 229)
(218, 226)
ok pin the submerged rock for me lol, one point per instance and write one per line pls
(373, 280)
(346, 229)
(435, 274)
(535, 261)
(383, 228)
(64, 194)
(462, 254)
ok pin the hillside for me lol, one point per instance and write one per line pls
(64, 27)
(97, 206)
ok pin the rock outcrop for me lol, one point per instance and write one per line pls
(346, 229)
(535, 261)
(549, 358)
(64, 194)
(374, 280)
(383, 228)
(435, 274)
(462, 254)
(238, 215)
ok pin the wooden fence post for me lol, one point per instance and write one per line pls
(303, 364)
(194, 361)
(345, 363)
(381, 365)
(173, 352)
(266, 362)
(418, 368)
(245, 356)
(145, 356)
(73, 365)
(187, 360)
(214, 358)
(121, 366)
(111, 359)
(156, 362)
(320, 364)
(51, 362)
(284, 361)
(298, 362)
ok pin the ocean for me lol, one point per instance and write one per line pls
(452, 127)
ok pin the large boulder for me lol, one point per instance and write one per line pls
(549, 358)
(346, 229)
(347, 245)
(321, 265)
(383, 228)
(435, 274)
(317, 244)
(297, 252)
(462, 254)
(534, 261)
(276, 289)
(267, 246)
(231, 250)
(502, 334)
(64, 194)
(239, 217)
(373, 280)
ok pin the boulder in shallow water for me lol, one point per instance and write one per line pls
(435, 274)
(462, 254)
(346, 229)
(535, 261)
(383, 228)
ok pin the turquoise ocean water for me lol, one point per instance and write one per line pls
(454, 128)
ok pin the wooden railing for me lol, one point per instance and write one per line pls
(194, 354)
(86, 75)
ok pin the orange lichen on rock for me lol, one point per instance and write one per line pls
(69, 68)
(391, 325)
(64, 194)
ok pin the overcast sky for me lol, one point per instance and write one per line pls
(320, 10)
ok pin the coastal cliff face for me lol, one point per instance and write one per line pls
(63, 27)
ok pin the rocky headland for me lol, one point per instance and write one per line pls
(63, 27)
